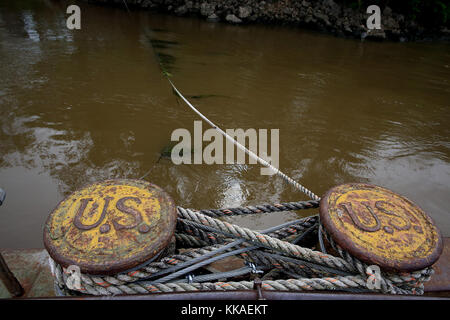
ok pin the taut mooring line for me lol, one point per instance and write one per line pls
(240, 146)
(261, 161)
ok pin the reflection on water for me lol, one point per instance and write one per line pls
(86, 105)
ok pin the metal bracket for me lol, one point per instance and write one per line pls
(253, 267)
(257, 283)
(190, 278)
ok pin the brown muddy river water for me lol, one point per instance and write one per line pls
(78, 106)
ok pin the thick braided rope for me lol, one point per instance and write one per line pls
(207, 237)
(295, 229)
(124, 283)
(190, 237)
(263, 208)
(259, 258)
(164, 263)
(129, 283)
(100, 286)
(360, 266)
(304, 284)
(188, 241)
(395, 283)
(145, 287)
(386, 284)
(143, 272)
(267, 241)
(110, 285)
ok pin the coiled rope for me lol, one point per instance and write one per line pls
(305, 268)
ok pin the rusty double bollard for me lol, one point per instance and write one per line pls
(7, 277)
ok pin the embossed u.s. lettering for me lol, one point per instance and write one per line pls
(380, 207)
(120, 205)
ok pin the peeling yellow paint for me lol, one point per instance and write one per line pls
(380, 223)
(116, 222)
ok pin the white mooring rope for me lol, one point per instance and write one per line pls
(243, 148)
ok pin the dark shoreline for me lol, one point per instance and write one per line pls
(325, 16)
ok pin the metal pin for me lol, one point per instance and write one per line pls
(253, 267)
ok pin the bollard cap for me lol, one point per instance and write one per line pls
(380, 227)
(111, 226)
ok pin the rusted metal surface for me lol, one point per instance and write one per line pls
(6, 276)
(380, 227)
(440, 281)
(9, 280)
(111, 226)
(31, 268)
